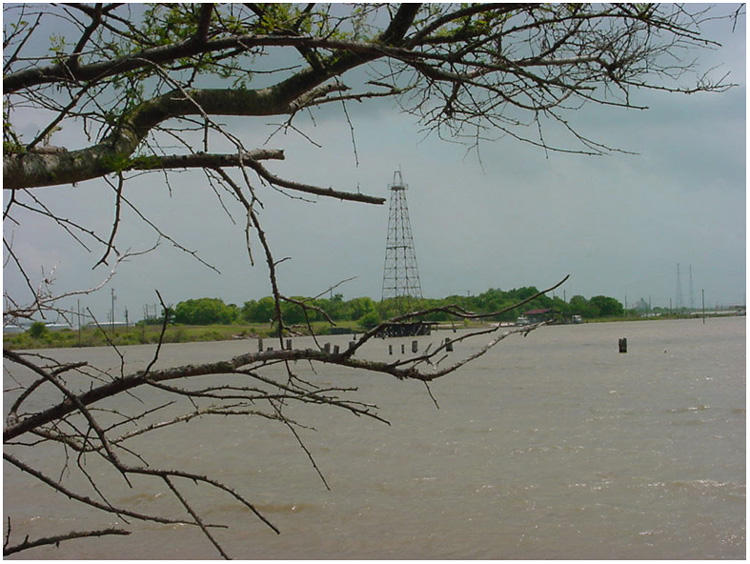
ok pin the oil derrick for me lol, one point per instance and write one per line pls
(400, 274)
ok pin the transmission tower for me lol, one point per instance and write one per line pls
(400, 274)
(679, 303)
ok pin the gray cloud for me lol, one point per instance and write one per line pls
(510, 216)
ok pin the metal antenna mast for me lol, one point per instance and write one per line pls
(400, 274)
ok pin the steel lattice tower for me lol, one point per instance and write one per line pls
(400, 274)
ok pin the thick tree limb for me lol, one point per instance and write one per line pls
(204, 160)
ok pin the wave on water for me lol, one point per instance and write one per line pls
(690, 409)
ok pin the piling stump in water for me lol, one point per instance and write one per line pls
(448, 345)
(623, 344)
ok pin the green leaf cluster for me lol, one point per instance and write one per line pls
(205, 311)
(165, 24)
(38, 330)
(368, 313)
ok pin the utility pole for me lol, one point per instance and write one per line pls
(78, 310)
(113, 310)
(692, 298)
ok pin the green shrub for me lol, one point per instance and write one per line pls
(38, 330)
(369, 320)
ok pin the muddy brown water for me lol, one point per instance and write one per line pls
(551, 446)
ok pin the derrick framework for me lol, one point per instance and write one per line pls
(400, 273)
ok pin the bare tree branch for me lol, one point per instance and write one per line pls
(56, 540)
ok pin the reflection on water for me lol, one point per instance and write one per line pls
(551, 446)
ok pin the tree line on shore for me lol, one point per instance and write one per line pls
(367, 313)
(211, 319)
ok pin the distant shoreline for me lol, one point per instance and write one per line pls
(150, 334)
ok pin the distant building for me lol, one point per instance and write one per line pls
(538, 315)
(107, 324)
(24, 326)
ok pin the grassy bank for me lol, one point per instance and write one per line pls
(122, 336)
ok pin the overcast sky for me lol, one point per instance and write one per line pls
(618, 224)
